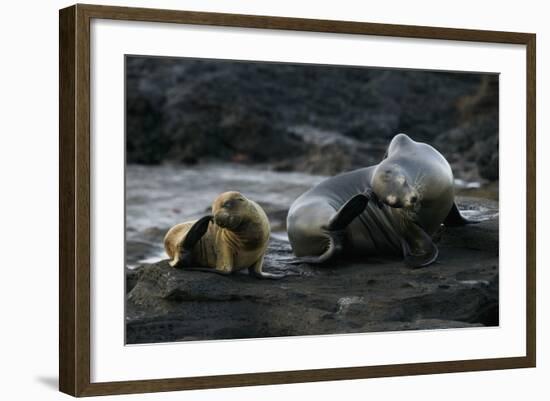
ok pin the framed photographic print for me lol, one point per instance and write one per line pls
(251, 200)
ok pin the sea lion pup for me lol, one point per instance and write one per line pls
(233, 238)
(392, 208)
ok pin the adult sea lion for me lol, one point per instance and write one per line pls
(233, 238)
(391, 208)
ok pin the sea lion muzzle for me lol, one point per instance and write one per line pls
(227, 220)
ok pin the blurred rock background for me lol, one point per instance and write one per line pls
(306, 118)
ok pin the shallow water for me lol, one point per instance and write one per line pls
(158, 197)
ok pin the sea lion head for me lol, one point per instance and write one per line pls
(230, 210)
(392, 185)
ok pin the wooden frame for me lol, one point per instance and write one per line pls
(74, 203)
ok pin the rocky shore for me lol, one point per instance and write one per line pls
(344, 296)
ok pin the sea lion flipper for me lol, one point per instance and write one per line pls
(196, 232)
(349, 211)
(264, 275)
(194, 235)
(455, 218)
(335, 246)
(256, 271)
(418, 248)
(209, 270)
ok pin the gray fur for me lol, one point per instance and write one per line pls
(420, 182)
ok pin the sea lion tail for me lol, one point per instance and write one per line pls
(455, 218)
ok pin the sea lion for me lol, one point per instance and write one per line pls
(392, 208)
(233, 238)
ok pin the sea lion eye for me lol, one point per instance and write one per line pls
(227, 204)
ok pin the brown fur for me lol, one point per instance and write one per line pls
(236, 239)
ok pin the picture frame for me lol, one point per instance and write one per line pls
(76, 199)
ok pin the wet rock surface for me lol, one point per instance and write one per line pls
(343, 296)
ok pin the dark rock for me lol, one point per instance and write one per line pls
(131, 278)
(343, 296)
(475, 137)
(193, 110)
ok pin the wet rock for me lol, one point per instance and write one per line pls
(343, 296)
